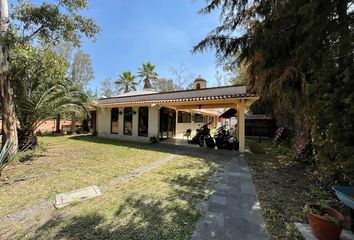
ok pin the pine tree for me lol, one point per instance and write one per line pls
(299, 56)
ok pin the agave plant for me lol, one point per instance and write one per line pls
(7, 155)
(4, 155)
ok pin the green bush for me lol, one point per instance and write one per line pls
(256, 148)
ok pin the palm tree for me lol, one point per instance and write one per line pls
(45, 102)
(42, 91)
(126, 82)
(147, 73)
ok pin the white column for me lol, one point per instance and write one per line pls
(154, 121)
(241, 124)
(135, 122)
(121, 121)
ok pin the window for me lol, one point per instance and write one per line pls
(184, 117)
(114, 120)
(198, 118)
(198, 86)
(143, 121)
(128, 120)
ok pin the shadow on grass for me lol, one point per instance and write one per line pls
(142, 216)
(284, 186)
(212, 154)
(138, 218)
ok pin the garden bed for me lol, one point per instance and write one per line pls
(284, 186)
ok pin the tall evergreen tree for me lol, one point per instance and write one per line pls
(299, 56)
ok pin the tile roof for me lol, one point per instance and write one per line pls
(218, 93)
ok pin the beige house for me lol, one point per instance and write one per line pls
(139, 115)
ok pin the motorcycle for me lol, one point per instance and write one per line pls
(224, 140)
(203, 135)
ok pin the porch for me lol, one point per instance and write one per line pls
(143, 115)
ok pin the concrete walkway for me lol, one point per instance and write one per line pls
(233, 210)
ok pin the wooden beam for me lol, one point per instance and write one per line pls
(205, 106)
(204, 103)
(219, 103)
(241, 125)
(249, 102)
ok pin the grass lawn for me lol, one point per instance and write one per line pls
(69, 164)
(161, 204)
(284, 186)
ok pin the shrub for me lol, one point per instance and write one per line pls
(154, 140)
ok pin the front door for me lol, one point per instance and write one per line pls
(167, 123)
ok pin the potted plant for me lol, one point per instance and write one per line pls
(154, 140)
(325, 222)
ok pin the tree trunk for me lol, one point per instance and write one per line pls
(27, 140)
(73, 123)
(9, 128)
(57, 124)
(147, 84)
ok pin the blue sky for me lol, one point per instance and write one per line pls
(162, 32)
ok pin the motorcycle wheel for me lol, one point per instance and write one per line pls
(210, 143)
(236, 145)
(201, 141)
(219, 144)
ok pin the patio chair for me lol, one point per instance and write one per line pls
(187, 133)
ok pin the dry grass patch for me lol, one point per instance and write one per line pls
(70, 163)
(162, 204)
(283, 186)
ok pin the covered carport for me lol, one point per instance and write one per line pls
(238, 101)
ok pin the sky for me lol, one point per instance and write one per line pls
(162, 32)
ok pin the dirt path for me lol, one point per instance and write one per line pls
(137, 172)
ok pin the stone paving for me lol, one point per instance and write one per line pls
(233, 210)
(64, 199)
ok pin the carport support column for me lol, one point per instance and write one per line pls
(241, 124)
